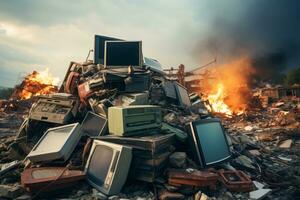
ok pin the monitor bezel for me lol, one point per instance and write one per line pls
(97, 50)
(196, 141)
(105, 126)
(180, 102)
(116, 148)
(141, 58)
(33, 151)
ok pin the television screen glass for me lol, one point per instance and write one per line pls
(212, 141)
(99, 46)
(123, 54)
(93, 125)
(183, 96)
(55, 139)
(100, 163)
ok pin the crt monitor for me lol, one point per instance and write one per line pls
(120, 54)
(99, 46)
(56, 144)
(182, 95)
(107, 166)
(94, 125)
(208, 141)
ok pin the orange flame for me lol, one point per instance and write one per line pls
(230, 91)
(37, 83)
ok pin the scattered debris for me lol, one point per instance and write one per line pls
(259, 194)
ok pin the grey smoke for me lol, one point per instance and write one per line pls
(268, 31)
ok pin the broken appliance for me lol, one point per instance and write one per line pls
(150, 154)
(94, 125)
(50, 178)
(236, 181)
(107, 166)
(57, 108)
(177, 94)
(56, 144)
(129, 99)
(192, 177)
(133, 120)
(208, 142)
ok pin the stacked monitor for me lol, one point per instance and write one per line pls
(107, 166)
(182, 95)
(208, 141)
(120, 54)
(177, 93)
(99, 47)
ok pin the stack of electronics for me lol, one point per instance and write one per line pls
(129, 139)
(150, 154)
(139, 127)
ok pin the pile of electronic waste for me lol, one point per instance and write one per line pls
(119, 119)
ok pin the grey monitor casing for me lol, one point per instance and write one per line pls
(51, 147)
(114, 180)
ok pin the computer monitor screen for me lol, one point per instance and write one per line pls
(182, 95)
(56, 143)
(123, 53)
(99, 47)
(94, 125)
(107, 166)
(100, 163)
(210, 141)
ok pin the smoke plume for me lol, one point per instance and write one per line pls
(267, 31)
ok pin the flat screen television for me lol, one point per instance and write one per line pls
(56, 144)
(120, 54)
(182, 95)
(208, 141)
(99, 46)
(107, 166)
(94, 125)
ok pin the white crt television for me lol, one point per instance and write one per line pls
(107, 166)
(56, 144)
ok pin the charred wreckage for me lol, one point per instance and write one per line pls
(120, 123)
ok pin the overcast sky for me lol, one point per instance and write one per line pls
(39, 34)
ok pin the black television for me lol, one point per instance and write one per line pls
(120, 54)
(99, 47)
(208, 141)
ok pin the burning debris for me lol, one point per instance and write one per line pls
(35, 84)
(123, 129)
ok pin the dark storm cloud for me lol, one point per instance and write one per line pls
(265, 30)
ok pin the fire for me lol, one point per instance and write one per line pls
(229, 90)
(217, 103)
(35, 84)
